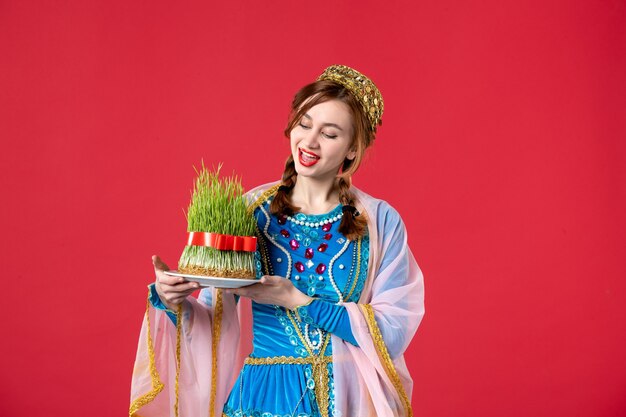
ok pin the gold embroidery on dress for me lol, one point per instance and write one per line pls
(262, 247)
(320, 371)
(179, 326)
(319, 368)
(157, 385)
(263, 197)
(317, 361)
(265, 258)
(357, 271)
(287, 360)
(383, 355)
(217, 324)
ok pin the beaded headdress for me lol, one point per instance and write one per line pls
(361, 87)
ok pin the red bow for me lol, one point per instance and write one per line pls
(222, 242)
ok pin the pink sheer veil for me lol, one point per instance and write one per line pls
(369, 380)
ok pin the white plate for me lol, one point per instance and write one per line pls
(217, 282)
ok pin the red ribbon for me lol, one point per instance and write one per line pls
(222, 242)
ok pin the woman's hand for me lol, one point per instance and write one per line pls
(172, 290)
(273, 289)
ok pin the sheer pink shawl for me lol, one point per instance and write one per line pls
(189, 369)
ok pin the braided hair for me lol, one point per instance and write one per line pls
(352, 224)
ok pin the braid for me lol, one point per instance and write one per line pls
(280, 204)
(351, 226)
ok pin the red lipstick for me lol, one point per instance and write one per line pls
(307, 158)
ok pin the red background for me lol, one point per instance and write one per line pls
(503, 147)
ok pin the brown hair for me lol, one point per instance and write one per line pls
(308, 96)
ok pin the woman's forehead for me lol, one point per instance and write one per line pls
(331, 111)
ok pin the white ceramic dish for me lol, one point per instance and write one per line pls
(217, 282)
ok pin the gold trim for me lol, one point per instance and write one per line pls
(179, 326)
(217, 324)
(301, 336)
(157, 385)
(319, 367)
(361, 87)
(267, 266)
(288, 360)
(263, 197)
(320, 371)
(357, 272)
(260, 241)
(383, 355)
(295, 309)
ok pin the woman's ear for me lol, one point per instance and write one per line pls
(351, 155)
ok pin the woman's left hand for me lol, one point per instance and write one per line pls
(273, 289)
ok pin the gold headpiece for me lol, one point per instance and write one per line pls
(361, 87)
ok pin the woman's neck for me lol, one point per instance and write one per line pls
(314, 197)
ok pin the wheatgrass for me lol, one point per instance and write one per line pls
(218, 206)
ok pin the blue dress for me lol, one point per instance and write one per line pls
(289, 371)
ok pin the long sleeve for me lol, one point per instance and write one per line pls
(156, 302)
(384, 322)
(402, 288)
(331, 317)
(186, 366)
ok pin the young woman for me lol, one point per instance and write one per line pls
(339, 300)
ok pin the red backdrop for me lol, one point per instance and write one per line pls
(503, 147)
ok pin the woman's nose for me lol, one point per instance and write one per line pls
(311, 139)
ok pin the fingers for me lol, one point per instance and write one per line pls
(260, 289)
(159, 264)
(250, 291)
(182, 288)
(168, 279)
(176, 294)
(270, 280)
(159, 268)
(171, 290)
(247, 291)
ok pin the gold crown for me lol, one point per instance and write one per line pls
(361, 87)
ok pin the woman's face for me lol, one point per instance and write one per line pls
(322, 140)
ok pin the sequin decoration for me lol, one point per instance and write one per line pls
(308, 253)
(328, 236)
(284, 233)
(294, 244)
(326, 227)
(322, 247)
(299, 267)
(321, 268)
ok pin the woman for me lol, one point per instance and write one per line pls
(338, 303)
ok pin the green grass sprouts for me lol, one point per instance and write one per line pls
(218, 206)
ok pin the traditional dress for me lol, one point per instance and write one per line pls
(340, 355)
